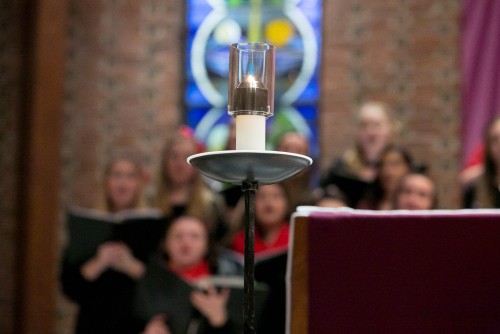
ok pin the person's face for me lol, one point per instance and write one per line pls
(271, 205)
(494, 142)
(187, 242)
(417, 193)
(123, 185)
(374, 130)
(392, 168)
(178, 169)
(294, 143)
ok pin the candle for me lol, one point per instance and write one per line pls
(250, 105)
(251, 132)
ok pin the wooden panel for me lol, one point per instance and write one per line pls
(299, 279)
(39, 159)
(399, 272)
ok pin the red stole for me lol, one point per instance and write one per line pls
(260, 246)
(194, 273)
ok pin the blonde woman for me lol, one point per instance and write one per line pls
(375, 129)
(181, 189)
(103, 286)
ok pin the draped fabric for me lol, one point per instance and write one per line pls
(429, 272)
(480, 69)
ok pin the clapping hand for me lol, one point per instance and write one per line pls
(126, 263)
(112, 255)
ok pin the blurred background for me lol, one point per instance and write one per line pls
(79, 78)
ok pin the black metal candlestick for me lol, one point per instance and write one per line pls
(249, 169)
(249, 188)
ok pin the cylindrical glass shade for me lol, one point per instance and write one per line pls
(251, 79)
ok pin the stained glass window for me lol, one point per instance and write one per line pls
(292, 26)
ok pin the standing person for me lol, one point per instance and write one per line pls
(415, 191)
(103, 286)
(484, 191)
(167, 297)
(395, 162)
(181, 190)
(272, 214)
(375, 129)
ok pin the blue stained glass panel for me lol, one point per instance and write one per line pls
(292, 26)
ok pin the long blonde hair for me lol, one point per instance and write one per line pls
(202, 201)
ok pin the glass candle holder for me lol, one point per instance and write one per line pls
(251, 92)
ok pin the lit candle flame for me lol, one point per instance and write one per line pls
(252, 83)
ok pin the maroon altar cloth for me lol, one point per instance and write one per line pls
(404, 273)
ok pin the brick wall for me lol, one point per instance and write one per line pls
(123, 87)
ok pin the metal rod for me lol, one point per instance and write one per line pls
(249, 188)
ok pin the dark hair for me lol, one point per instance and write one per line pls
(397, 149)
(288, 205)
(331, 191)
(420, 168)
(377, 191)
(399, 188)
(490, 168)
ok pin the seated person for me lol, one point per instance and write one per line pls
(416, 191)
(167, 297)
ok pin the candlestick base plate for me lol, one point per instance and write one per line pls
(236, 166)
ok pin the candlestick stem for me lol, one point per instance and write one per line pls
(249, 188)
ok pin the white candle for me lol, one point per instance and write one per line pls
(251, 132)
